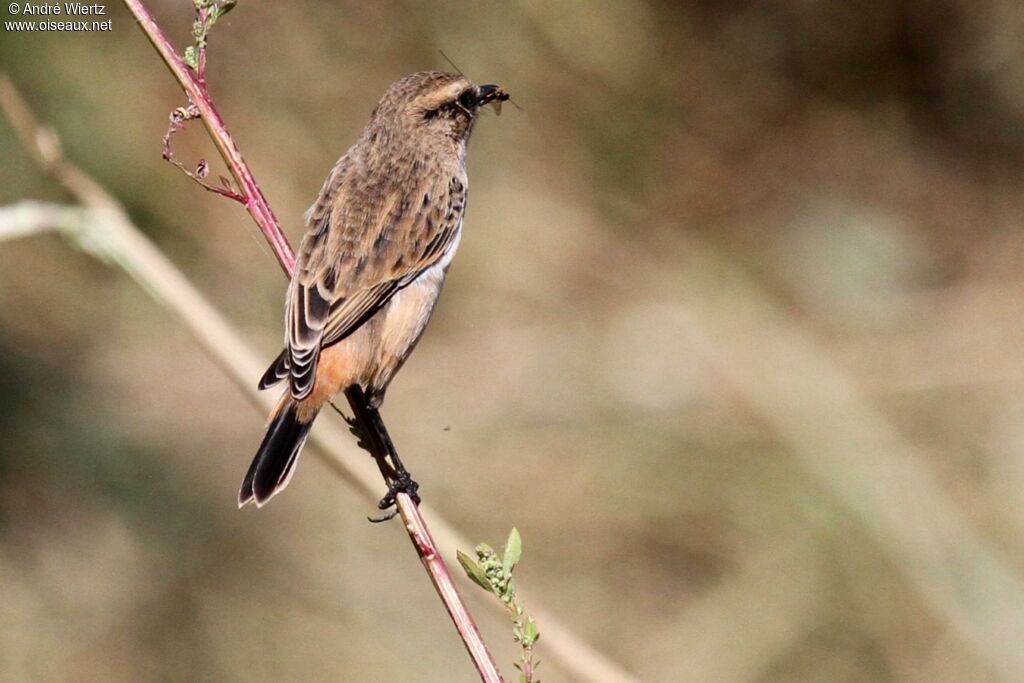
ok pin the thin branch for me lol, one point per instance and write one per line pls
(33, 218)
(176, 121)
(197, 93)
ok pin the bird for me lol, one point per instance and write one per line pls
(379, 240)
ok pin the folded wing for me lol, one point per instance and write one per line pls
(363, 245)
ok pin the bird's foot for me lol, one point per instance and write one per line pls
(403, 483)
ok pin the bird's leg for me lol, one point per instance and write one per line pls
(402, 482)
(369, 427)
(364, 441)
(401, 474)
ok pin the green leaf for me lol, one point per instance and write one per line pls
(513, 551)
(190, 57)
(474, 571)
(530, 632)
(227, 6)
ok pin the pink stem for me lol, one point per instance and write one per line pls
(435, 566)
(255, 202)
(257, 206)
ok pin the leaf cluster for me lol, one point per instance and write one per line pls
(207, 14)
(494, 573)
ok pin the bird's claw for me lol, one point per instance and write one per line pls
(386, 517)
(403, 484)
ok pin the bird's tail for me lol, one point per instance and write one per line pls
(272, 468)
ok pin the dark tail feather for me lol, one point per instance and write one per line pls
(277, 371)
(274, 463)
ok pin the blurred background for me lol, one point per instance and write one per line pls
(734, 337)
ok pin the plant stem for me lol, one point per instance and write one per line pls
(442, 580)
(198, 94)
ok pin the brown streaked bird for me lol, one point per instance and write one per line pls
(369, 270)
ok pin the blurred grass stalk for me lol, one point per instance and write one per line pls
(102, 228)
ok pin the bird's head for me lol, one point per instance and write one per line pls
(433, 106)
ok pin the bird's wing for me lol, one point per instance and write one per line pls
(362, 246)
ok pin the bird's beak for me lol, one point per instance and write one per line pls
(491, 94)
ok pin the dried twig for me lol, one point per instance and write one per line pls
(176, 121)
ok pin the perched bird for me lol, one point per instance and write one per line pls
(369, 270)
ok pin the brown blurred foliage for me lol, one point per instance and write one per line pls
(859, 163)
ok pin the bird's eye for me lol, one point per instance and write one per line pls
(464, 103)
(468, 99)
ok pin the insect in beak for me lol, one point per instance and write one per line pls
(493, 95)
